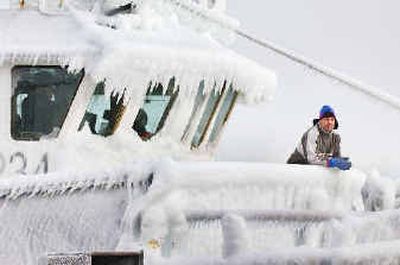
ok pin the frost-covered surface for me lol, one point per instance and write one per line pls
(95, 153)
(268, 186)
(377, 253)
(234, 235)
(30, 38)
(151, 41)
(36, 226)
(87, 218)
(378, 192)
(207, 212)
(106, 217)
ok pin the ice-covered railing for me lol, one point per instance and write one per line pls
(212, 233)
(219, 5)
(215, 209)
(283, 199)
(207, 206)
(228, 185)
(275, 230)
(374, 253)
(210, 13)
(377, 253)
(380, 192)
(45, 6)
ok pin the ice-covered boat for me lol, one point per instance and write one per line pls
(110, 114)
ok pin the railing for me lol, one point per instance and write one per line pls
(367, 254)
(219, 5)
(206, 15)
(290, 205)
(45, 6)
(229, 233)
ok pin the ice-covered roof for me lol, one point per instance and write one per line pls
(113, 47)
(28, 35)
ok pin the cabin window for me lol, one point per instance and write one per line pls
(104, 111)
(223, 113)
(208, 114)
(199, 100)
(41, 99)
(157, 104)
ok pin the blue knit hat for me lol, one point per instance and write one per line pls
(327, 111)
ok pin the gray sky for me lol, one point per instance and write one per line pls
(360, 38)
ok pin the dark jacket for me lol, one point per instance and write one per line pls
(315, 147)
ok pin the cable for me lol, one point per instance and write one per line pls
(376, 93)
(327, 72)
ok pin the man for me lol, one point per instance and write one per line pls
(319, 145)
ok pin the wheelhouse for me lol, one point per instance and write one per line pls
(79, 85)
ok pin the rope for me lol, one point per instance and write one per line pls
(373, 92)
(376, 93)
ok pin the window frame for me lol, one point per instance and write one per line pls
(172, 90)
(217, 116)
(116, 111)
(207, 120)
(222, 115)
(36, 136)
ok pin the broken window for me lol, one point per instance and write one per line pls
(41, 99)
(104, 111)
(157, 104)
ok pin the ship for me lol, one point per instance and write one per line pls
(112, 112)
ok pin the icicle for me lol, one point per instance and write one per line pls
(165, 81)
(2, 58)
(219, 82)
(13, 57)
(185, 82)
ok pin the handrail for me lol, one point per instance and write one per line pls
(265, 215)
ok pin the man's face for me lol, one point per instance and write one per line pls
(327, 123)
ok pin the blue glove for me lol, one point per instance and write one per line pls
(339, 162)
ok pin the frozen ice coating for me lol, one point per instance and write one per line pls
(20, 41)
(128, 165)
(66, 220)
(38, 226)
(282, 187)
(190, 209)
(103, 46)
(235, 238)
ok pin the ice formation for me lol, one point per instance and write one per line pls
(191, 209)
(157, 52)
(118, 195)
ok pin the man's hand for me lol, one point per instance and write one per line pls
(342, 163)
